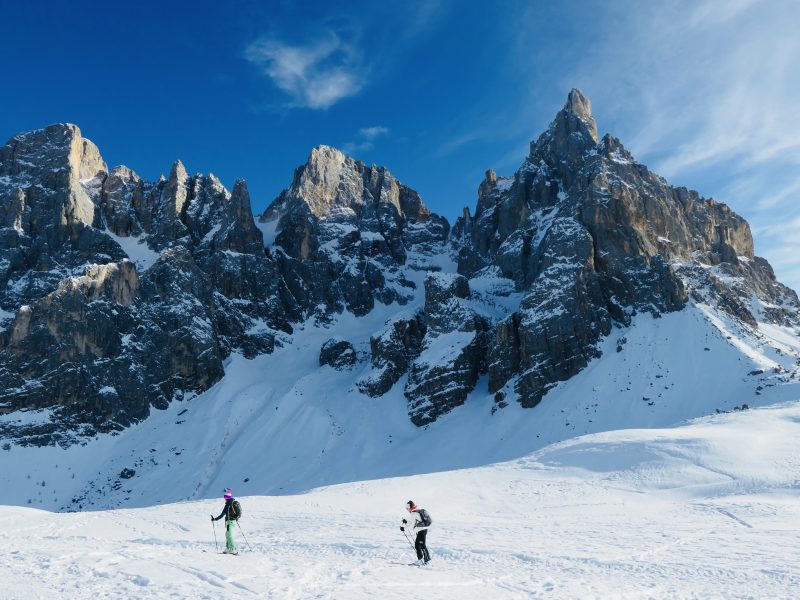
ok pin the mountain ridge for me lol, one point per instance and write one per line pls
(577, 243)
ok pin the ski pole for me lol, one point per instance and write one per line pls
(214, 527)
(243, 536)
(409, 541)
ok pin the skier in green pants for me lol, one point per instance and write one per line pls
(231, 511)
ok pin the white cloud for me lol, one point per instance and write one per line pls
(705, 93)
(370, 133)
(359, 44)
(315, 76)
(365, 139)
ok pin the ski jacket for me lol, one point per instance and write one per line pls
(225, 510)
(415, 521)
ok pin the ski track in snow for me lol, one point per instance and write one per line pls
(706, 510)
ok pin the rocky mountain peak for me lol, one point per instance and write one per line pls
(579, 105)
(177, 184)
(55, 174)
(571, 134)
(590, 238)
(60, 147)
(238, 231)
(328, 181)
(344, 227)
(323, 155)
(125, 173)
(240, 197)
(177, 173)
(576, 118)
(489, 182)
(331, 183)
(612, 148)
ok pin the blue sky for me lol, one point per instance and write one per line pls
(706, 93)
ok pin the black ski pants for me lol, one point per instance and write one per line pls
(420, 547)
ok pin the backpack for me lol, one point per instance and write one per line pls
(426, 518)
(235, 511)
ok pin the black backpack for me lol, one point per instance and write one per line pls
(426, 518)
(235, 511)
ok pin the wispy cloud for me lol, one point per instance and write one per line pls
(370, 133)
(316, 75)
(351, 48)
(364, 139)
(695, 88)
(704, 93)
(459, 141)
(714, 13)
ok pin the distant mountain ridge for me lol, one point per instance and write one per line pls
(120, 294)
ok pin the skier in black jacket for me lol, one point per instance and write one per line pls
(228, 511)
(420, 521)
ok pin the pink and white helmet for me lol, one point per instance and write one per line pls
(228, 493)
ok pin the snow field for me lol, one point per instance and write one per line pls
(707, 510)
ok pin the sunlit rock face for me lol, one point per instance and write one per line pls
(346, 230)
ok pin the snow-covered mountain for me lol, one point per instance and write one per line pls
(159, 342)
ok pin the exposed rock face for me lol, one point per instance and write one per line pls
(124, 205)
(392, 352)
(444, 309)
(67, 168)
(338, 354)
(453, 351)
(105, 346)
(98, 339)
(592, 237)
(49, 181)
(345, 229)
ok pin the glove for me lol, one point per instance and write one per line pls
(402, 529)
(404, 521)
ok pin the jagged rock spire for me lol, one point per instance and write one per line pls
(571, 134)
(580, 106)
(575, 117)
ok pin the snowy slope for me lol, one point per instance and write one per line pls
(709, 509)
(280, 424)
